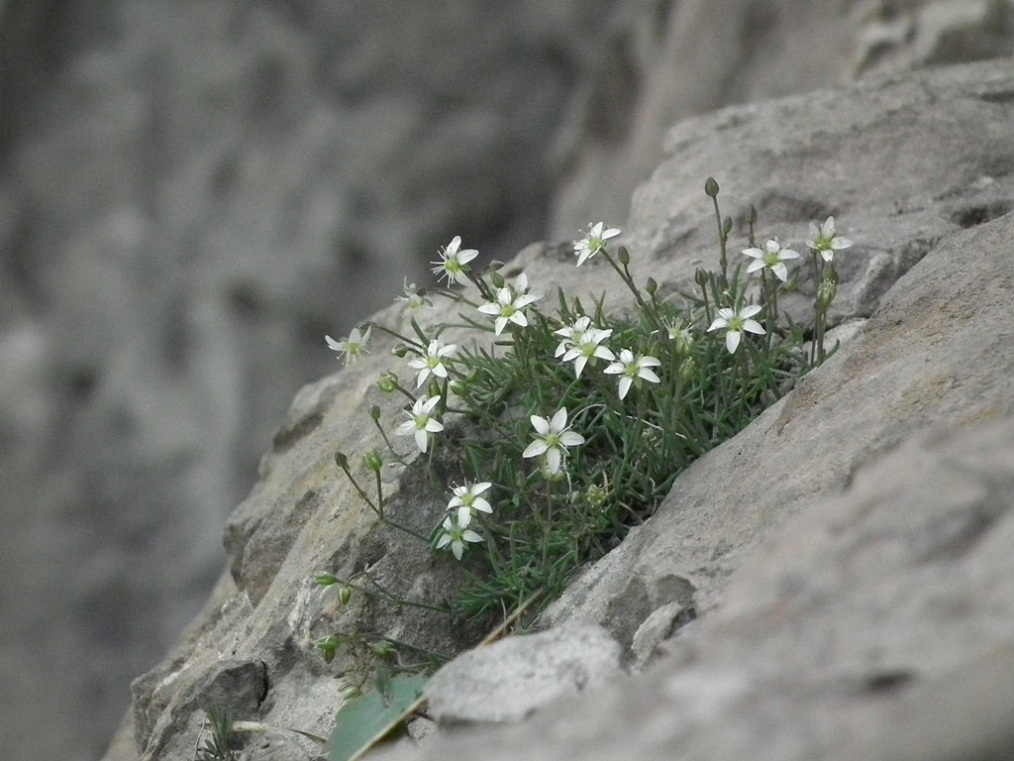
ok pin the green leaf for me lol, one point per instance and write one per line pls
(363, 722)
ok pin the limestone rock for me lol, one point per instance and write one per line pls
(192, 195)
(923, 170)
(873, 625)
(677, 60)
(508, 680)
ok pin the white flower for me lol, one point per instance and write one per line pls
(771, 256)
(631, 368)
(452, 262)
(414, 298)
(352, 346)
(593, 242)
(571, 334)
(509, 304)
(421, 423)
(433, 361)
(682, 336)
(467, 500)
(587, 348)
(735, 322)
(455, 535)
(552, 437)
(825, 241)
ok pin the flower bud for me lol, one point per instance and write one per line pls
(381, 649)
(388, 383)
(596, 495)
(325, 579)
(400, 351)
(497, 279)
(727, 226)
(711, 187)
(687, 370)
(328, 646)
(753, 215)
(651, 286)
(344, 595)
(341, 460)
(375, 413)
(350, 692)
(623, 255)
(826, 292)
(373, 461)
(701, 276)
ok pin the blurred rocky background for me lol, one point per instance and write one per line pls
(193, 192)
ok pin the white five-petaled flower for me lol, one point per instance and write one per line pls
(571, 334)
(825, 241)
(452, 262)
(735, 321)
(631, 369)
(467, 500)
(509, 304)
(415, 299)
(552, 437)
(586, 348)
(420, 422)
(433, 360)
(593, 242)
(773, 257)
(352, 346)
(455, 535)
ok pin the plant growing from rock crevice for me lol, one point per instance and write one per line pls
(552, 433)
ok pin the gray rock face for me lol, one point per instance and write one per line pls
(192, 194)
(844, 554)
(695, 56)
(508, 680)
(873, 625)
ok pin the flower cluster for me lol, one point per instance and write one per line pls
(599, 413)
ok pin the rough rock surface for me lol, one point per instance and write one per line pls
(192, 194)
(918, 170)
(509, 679)
(694, 56)
(874, 625)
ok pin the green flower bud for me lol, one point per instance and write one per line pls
(350, 691)
(400, 351)
(687, 370)
(711, 187)
(596, 495)
(701, 276)
(388, 383)
(341, 460)
(375, 413)
(497, 279)
(344, 595)
(727, 226)
(826, 292)
(373, 461)
(328, 646)
(325, 579)
(623, 255)
(381, 649)
(651, 286)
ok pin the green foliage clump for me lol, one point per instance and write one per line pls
(563, 429)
